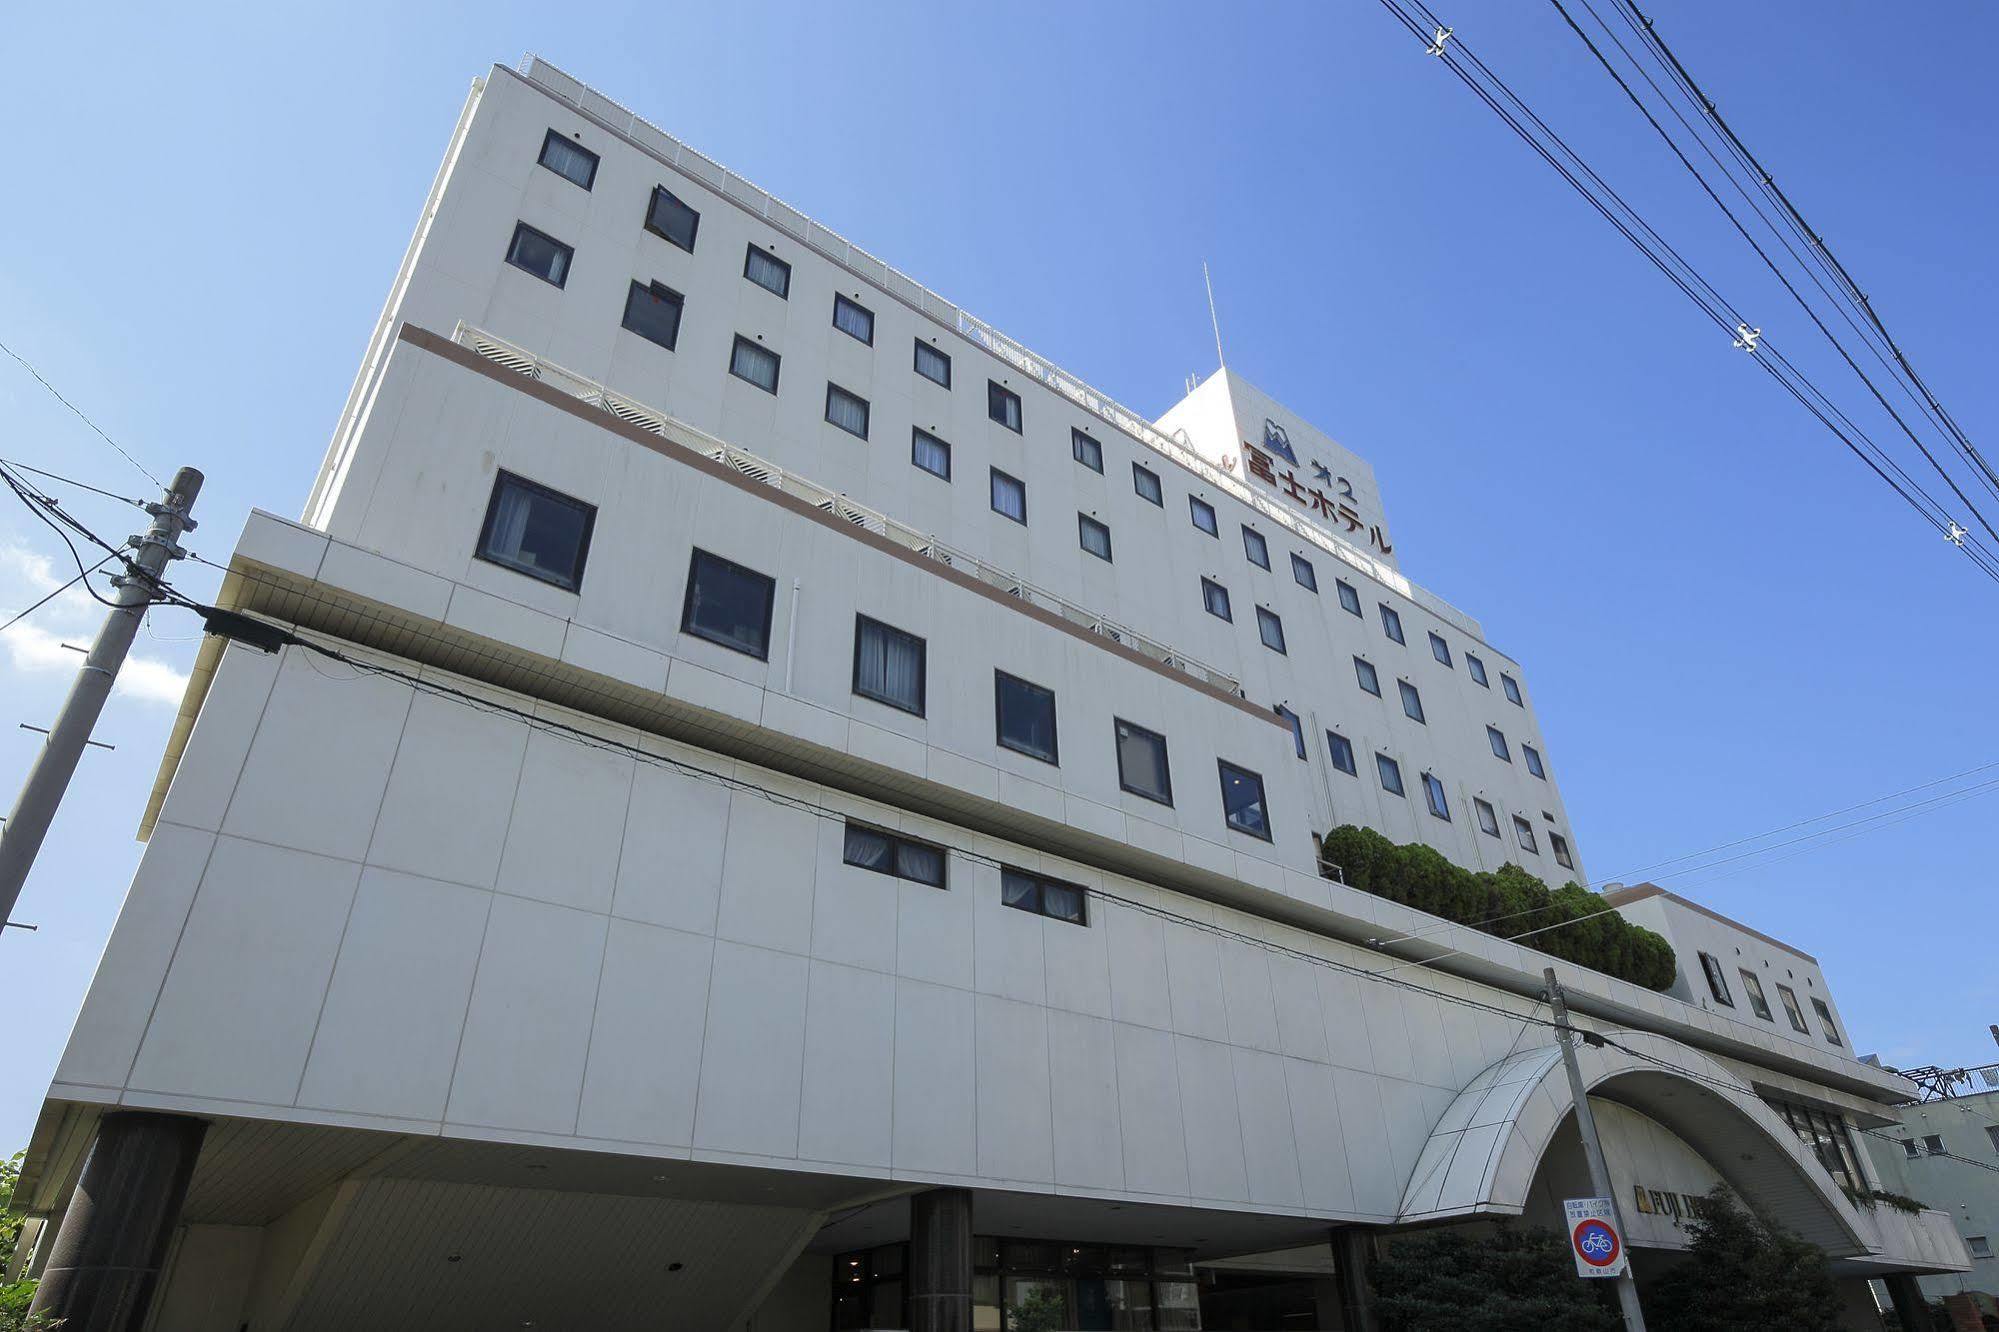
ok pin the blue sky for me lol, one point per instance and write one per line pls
(1729, 624)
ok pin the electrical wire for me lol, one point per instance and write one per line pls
(72, 481)
(53, 595)
(78, 412)
(41, 506)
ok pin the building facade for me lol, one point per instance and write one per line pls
(1944, 1153)
(783, 809)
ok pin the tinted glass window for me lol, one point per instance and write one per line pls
(1297, 725)
(1044, 897)
(1523, 832)
(1003, 405)
(728, 604)
(1096, 538)
(1717, 980)
(1433, 795)
(1533, 757)
(1477, 669)
(930, 453)
(888, 665)
(1825, 1020)
(1242, 801)
(1009, 496)
(1412, 702)
(1025, 716)
(1498, 743)
(667, 216)
(1254, 546)
(1087, 450)
(1512, 688)
(540, 254)
(1488, 821)
(568, 159)
(1203, 514)
(1270, 629)
(1141, 763)
(889, 853)
(1364, 672)
(1302, 570)
(537, 531)
(1390, 773)
(1349, 598)
(1216, 598)
(767, 271)
(1391, 623)
(847, 411)
(756, 363)
(1440, 649)
(1752, 986)
(854, 319)
(1560, 844)
(653, 312)
(1341, 749)
(1146, 482)
(933, 364)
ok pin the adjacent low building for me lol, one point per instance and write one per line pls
(783, 808)
(1944, 1153)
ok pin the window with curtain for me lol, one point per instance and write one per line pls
(1203, 514)
(1488, 819)
(1364, 672)
(1390, 773)
(767, 271)
(888, 665)
(541, 254)
(1270, 629)
(653, 312)
(1009, 496)
(1341, 750)
(1086, 450)
(1412, 702)
(854, 319)
(1391, 623)
(536, 531)
(1477, 669)
(1533, 757)
(892, 854)
(1145, 482)
(1523, 832)
(930, 453)
(1512, 688)
(1254, 546)
(1024, 717)
(847, 411)
(1433, 795)
(1440, 649)
(1242, 801)
(1301, 569)
(667, 216)
(1495, 738)
(728, 604)
(933, 364)
(1003, 405)
(1141, 762)
(1096, 537)
(1349, 597)
(754, 362)
(1216, 598)
(1042, 896)
(569, 160)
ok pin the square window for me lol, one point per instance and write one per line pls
(1146, 482)
(653, 312)
(888, 665)
(1477, 669)
(1364, 672)
(1497, 740)
(1391, 622)
(889, 853)
(1825, 1020)
(1433, 796)
(847, 411)
(1717, 980)
(1297, 725)
(1523, 832)
(1216, 598)
(536, 531)
(1752, 988)
(1978, 1246)
(569, 160)
(1909, 1148)
(857, 321)
(1932, 1143)
(728, 604)
(1254, 546)
(1795, 1014)
(1003, 405)
(1533, 757)
(1242, 801)
(930, 453)
(1390, 773)
(1341, 750)
(754, 362)
(1488, 821)
(767, 271)
(1009, 496)
(1560, 846)
(932, 364)
(1024, 717)
(667, 216)
(1440, 649)
(1270, 629)
(1412, 702)
(1086, 450)
(1141, 763)
(1512, 688)
(1204, 515)
(539, 253)
(1302, 570)
(1349, 598)
(1095, 537)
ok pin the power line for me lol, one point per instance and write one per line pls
(72, 481)
(53, 595)
(78, 411)
(42, 506)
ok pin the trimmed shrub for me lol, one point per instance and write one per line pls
(1420, 877)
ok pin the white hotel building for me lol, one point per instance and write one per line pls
(821, 834)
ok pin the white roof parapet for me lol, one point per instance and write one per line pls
(900, 285)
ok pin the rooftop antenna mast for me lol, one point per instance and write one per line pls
(1214, 318)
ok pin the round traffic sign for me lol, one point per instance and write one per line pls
(1596, 1243)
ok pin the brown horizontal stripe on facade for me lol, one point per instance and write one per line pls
(425, 340)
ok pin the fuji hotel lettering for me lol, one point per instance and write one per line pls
(1336, 508)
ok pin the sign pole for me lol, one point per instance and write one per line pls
(1599, 1173)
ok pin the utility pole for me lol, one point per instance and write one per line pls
(28, 824)
(1599, 1173)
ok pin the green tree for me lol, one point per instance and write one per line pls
(15, 1296)
(1741, 1272)
(1513, 1279)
